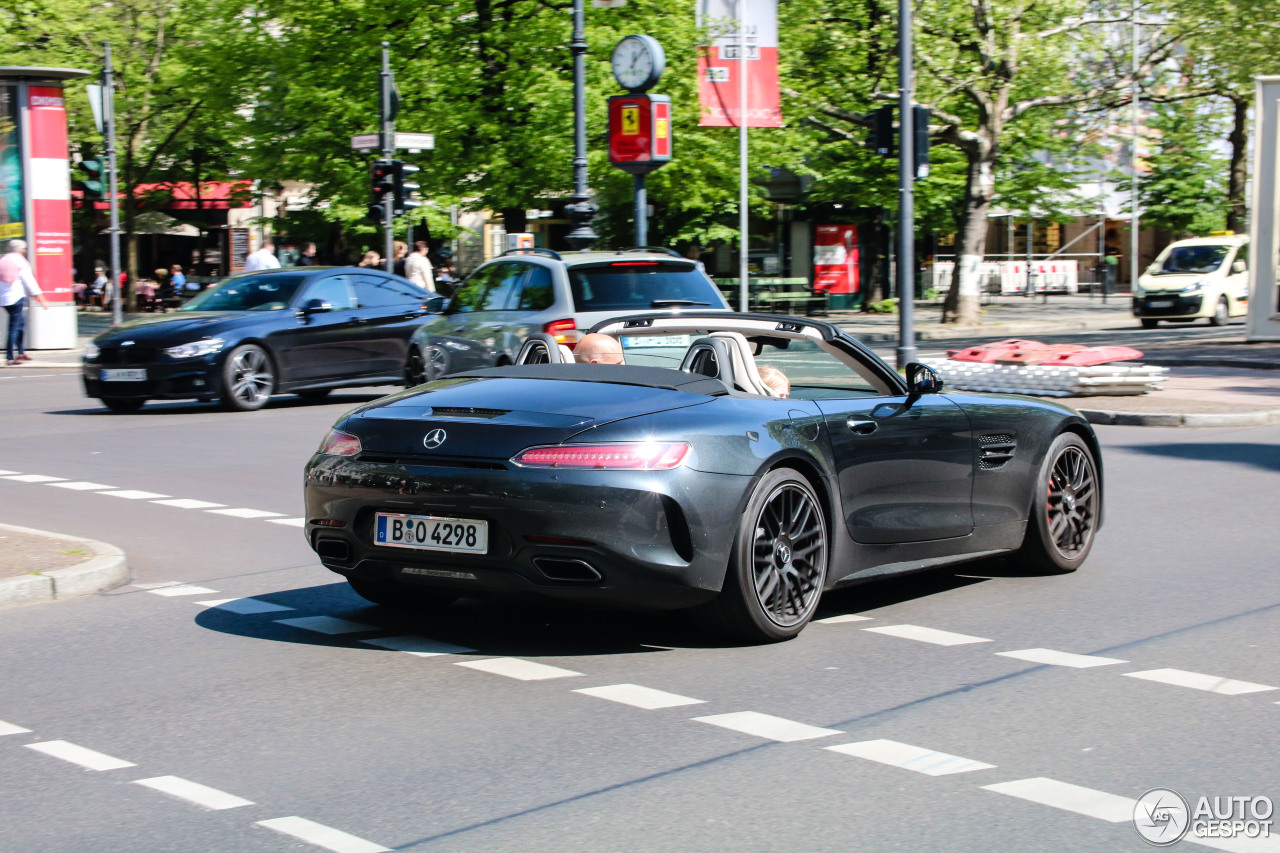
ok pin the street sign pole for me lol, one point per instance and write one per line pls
(113, 192)
(642, 212)
(906, 191)
(388, 129)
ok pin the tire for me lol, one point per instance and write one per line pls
(1149, 324)
(123, 405)
(777, 567)
(248, 378)
(1221, 313)
(1064, 509)
(415, 369)
(398, 597)
(314, 395)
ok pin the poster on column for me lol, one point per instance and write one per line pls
(50, 192)
(835, 259)
(719, 66)
(12, 215)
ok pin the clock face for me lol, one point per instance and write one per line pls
(637, 62)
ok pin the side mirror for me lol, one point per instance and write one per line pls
(434, 305)
(1239, 266)
(922, 379)
(316, 306)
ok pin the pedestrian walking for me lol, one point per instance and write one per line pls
(263, 259)
(417, 267)
(398, 265)
(371, 260)
(177, 281)
(17, 285)
(307, 257)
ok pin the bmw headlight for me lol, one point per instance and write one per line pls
(196, 348)
(1194, 288)
(90, 352)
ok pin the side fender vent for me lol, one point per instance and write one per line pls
(995, 449)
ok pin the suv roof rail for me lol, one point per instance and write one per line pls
(536, 250)
(663, 249)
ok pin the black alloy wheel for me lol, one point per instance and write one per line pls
(248, 378)
(1065, 510)
(123, 405)
(415, 369)
(778, 565)
(1148, 323)
(1221, 313)
(437, 363)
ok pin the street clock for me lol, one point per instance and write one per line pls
(638, 62)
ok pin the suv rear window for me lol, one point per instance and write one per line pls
(632, 285)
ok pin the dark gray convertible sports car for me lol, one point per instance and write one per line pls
(680, 479)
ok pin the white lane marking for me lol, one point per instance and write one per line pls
(326, 625)
(639, 697)
(291, 522)
(1068, 797)
(81, 486)
(322, 836)
(182, 589)
(188, 503)
(194, 792)
(156, 585)
(927, 635)
(419, 646)
(242, 512)
(1055, 658)
(86, 758)
(525, 670)
(909, 757)
(843, 617)
(11, 729)
(6, 473)
(243, 606)
(767, 726)
(34, 478)
(134, 495)
(1200, 681)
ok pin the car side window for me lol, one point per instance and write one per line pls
(1242, 254)
(377, 292)
(538, 293)
(334, 289)
(503, 285)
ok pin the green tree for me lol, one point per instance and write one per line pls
(1185, 187)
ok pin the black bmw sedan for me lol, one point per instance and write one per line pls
(303, 331)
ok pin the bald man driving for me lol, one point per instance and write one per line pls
(598, 349)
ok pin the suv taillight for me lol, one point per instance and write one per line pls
(564, 331)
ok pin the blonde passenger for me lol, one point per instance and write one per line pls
(775, 380)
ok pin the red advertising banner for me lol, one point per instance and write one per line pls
(719, 64)
(835, 259)
(50, 192)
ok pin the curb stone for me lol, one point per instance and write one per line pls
(1189, 419)
(108, 568)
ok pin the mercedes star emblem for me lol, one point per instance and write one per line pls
(434, 439)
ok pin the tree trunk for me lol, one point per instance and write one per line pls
(964, 297)
(874, 289)
(1239, 138)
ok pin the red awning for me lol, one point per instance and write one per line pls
(181, 195)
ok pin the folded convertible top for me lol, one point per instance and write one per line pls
(614, 374)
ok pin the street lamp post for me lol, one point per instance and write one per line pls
(906, 352)
(581, 210)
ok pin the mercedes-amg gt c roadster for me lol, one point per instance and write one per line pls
(691, 476)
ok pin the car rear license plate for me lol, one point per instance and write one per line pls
(633, 341)
(431, 533)
(121, 375)
(1160, 303)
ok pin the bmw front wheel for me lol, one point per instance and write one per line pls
(248, 378)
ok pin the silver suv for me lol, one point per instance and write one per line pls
(526, 291)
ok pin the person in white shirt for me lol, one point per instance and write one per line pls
(418, 269)
(16, 284)
(263, 259)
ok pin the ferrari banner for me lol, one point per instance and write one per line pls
(719, 65)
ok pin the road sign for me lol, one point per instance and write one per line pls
(365, 142)
(409, 141)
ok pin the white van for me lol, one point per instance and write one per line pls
(1191, 279)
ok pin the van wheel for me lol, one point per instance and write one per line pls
(1149, 324)
(1221, 313)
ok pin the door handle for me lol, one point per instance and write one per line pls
(860, 427)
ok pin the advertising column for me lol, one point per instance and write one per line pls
(835, 263)
(48, 182)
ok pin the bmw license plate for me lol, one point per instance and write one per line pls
(431, 533)
(120, 375)
(1160, 303)
(632, 341)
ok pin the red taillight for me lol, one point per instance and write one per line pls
(635, 263)
(636, 456)
(339, 443)
(564, 331)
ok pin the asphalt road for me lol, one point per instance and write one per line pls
(324, 734)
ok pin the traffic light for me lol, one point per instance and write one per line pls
(382, 180)
(402, 188)
(920, 125)
(93, 185)
(882, 133)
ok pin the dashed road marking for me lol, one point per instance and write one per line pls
(86, 758)
(134, 495)
(290, 522)
(322, 836)
(1068, 797)
(11, 729)
(1055, 658)
(188, 503)
(843, 617)
(639, 697)
(1200, 681)
(194, 792)
(243, 606)
(243, 512)
(927, 635)
(909, 757)
(767, 726)
(524, 670)
(182, 589)
(419, 646)
(156, 585)
(326, 625)
(7, 473)
(81, 486)
(34, 478)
